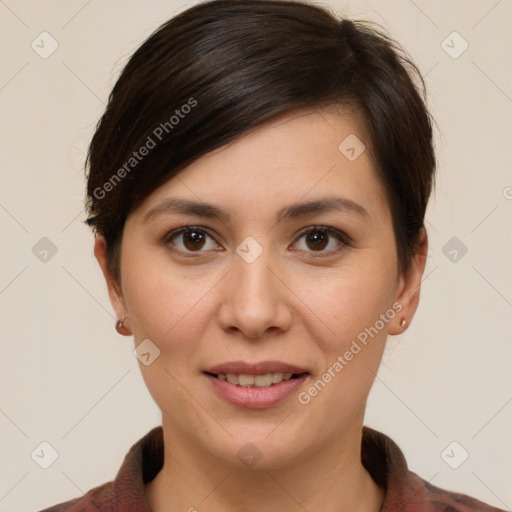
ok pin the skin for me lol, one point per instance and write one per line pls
(295, 303)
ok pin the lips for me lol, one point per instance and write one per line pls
(257, 385)
(260, 368)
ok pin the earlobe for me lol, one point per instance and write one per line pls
(114, 292)
(409, 287)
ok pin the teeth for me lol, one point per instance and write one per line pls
(246, 380)
(259, 381)
(232, 378)
(277, 377)
(263, 381)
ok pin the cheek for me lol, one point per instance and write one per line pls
(166, 306)
(350, 347)
(345, 302)
(353, 308)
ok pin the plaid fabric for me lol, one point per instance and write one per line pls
(405, 491)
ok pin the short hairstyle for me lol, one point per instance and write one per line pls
(220, 68)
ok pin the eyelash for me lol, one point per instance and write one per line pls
(343, 239)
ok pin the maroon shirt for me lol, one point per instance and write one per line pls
(383, 459)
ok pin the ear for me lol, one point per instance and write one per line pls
(408, 292)
(114, 290)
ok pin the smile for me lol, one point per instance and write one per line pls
(259, 381)
(259, 385)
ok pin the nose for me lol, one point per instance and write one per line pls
(255, 299)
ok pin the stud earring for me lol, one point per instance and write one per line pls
(121, 328)
(403, 323)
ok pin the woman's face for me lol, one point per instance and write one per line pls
(270, 288)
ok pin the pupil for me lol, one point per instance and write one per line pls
(319, 242)
(195, 238)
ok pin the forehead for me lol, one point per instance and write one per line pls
(299, 156)
(305, 131)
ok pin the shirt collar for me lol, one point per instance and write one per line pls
(381, 457)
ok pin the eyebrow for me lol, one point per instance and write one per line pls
(188, 207)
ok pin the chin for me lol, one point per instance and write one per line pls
(261, 448)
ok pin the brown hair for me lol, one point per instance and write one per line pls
(220, 68)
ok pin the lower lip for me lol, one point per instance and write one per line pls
(256, 398)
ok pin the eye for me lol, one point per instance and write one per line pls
(317, 238)
(190, 239)
(194, 239)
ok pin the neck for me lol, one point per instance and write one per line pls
(333, 478)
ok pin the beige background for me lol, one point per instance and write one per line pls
(69, 379)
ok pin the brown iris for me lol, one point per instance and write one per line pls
(318, 238)
(193, 240)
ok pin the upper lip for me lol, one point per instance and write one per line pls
(259, 368)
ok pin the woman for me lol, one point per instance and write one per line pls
(258, 186)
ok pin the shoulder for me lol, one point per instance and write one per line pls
(126, 491)
(97, 499)
(425, 497)
(405, 490)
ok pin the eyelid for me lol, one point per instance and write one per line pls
(343, 239)
(185, 229)
(341, 235)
